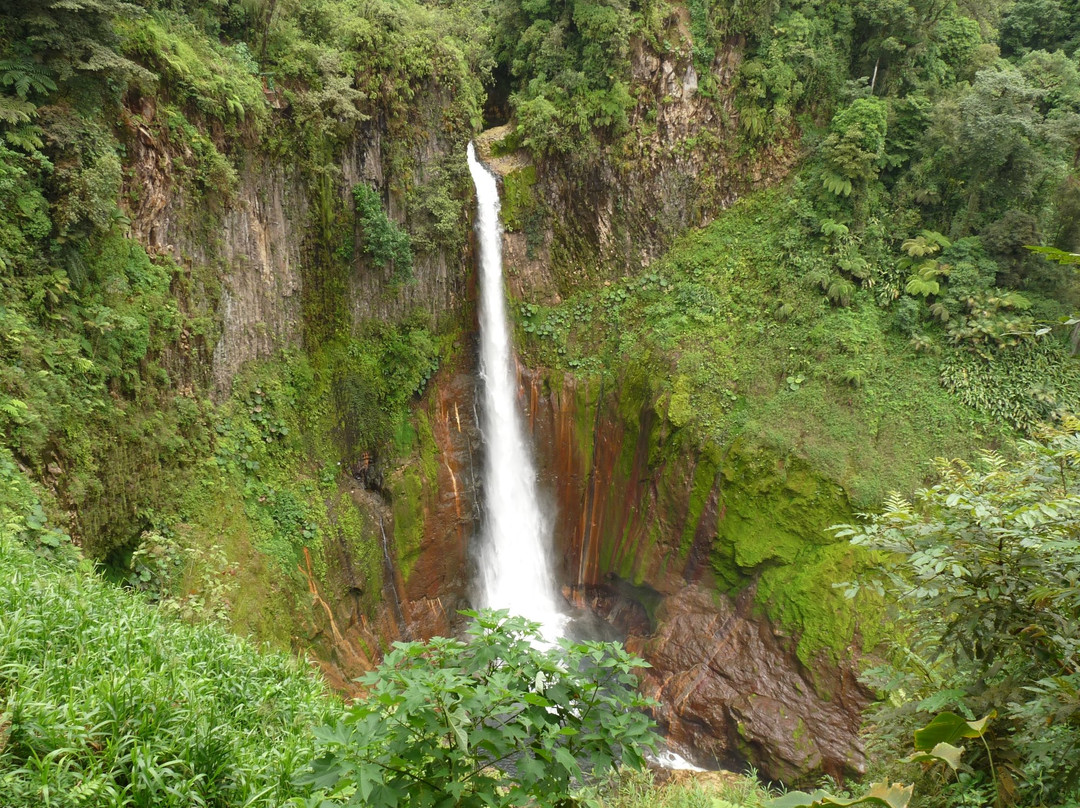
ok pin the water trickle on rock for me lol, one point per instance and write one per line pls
(515, 557)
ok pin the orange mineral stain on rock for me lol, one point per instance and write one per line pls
(634, 530)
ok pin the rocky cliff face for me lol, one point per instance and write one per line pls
(728, 684)
(650, 532)
(255, 257)
(644, 529)
(423, 526)
(578, 220)
(256, 239)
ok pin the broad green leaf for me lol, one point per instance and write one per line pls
(947, 728)
(942, 752)
(880, 795)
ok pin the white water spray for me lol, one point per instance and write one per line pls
(515, 567)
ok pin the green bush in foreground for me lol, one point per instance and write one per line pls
(106, 702)
(496, 720)
(985, 569)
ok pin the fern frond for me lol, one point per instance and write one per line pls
(837, 185)
(26, 137)
(896, 504)
(15, 110)
(833, 228)
(922, 287)
(934, 237)
(26, 75)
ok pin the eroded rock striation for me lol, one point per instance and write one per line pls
(645, 541)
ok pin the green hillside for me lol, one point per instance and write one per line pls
(787, 252)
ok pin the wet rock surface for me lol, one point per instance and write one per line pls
(437, 587)
(728, 688)
(638, 547)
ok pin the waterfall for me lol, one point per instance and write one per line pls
(515, 564)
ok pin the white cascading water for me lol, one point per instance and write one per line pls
(515, 564)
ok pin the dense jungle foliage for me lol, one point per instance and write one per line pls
(880, 308)
(106, 395)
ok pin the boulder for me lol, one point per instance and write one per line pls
(728, 688)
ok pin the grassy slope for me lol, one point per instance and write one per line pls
(800, 395)
(833, 385)
(106, 701)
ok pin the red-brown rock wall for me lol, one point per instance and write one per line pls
(634, 535)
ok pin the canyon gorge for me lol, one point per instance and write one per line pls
(740, 295)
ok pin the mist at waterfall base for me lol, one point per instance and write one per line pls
(515, 570)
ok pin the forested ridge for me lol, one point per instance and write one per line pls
(793, 251)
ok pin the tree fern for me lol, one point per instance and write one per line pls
(922, 287)
(840, 291)
(15, 110)
(14, 409)
(835, 184)
(26, 137)
(26, 75)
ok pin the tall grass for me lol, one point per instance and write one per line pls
(645, 789)
(106, 702)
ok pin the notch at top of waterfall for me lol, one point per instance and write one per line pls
(515, 554)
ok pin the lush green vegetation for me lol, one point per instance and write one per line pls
(106, 397)
(983, 569)
(748, 345)
(645, 789)
(108, 702)
(444, 722)
(877, 310)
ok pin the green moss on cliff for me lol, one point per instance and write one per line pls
(804, 595)
(733, 343)
(587, 404)
(816, 409)
(250, 589)
(412, 488)
(701, 487)
(407, 492)
(774, 507)
(518, 198)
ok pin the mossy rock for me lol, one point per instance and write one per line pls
(407, 491)
(776, 512)
(808, 596)
(773, 508)
(519, 200)
(410, 489)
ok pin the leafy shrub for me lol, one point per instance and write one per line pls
(382, 239)
(212, 79)
(984, 569)
(493, 721)
(1024, 386)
